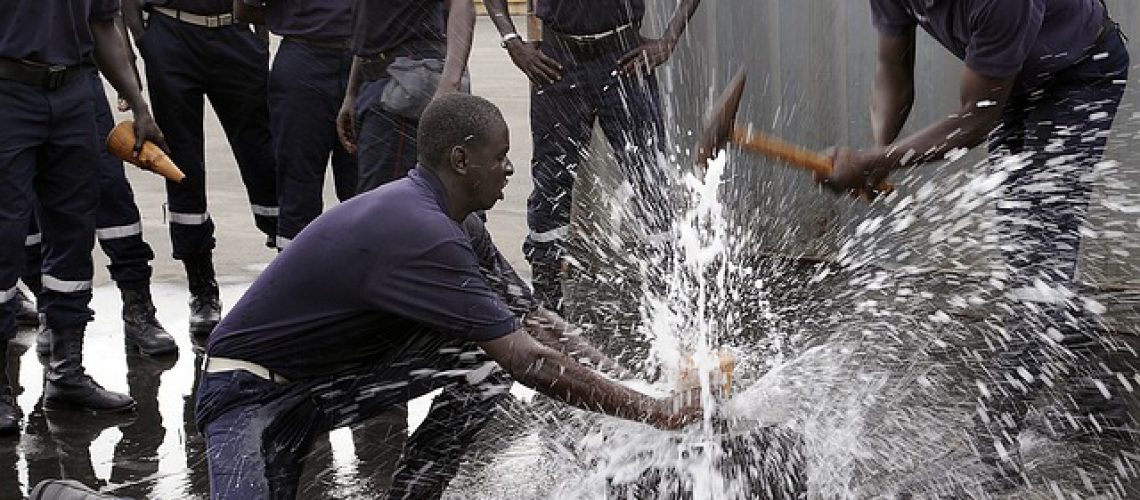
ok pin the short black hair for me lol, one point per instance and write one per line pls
(454, 120)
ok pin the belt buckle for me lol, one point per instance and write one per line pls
(213, 21)
(55, 76)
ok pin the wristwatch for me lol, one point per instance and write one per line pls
(508, 37)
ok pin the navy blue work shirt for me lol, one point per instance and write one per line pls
(368, 276)
(51, 31)
(582, 17)
(316, 19)
(202, 7)
(1001, 38)
(399, 27)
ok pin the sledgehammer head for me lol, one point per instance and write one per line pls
(720, 121)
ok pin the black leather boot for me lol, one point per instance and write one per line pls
(141, 329)
(9, 412)
(25, 310)
(205, 304)
(69, 387)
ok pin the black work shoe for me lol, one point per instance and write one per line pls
(67, 385)
(141, 328)
(25, 310)
(205, 313)
(205, 304)
(82, 393)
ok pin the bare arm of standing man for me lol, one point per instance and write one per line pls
(538, 67)
(982, 101)
(460, 31)
(653, 52)
(113, 60)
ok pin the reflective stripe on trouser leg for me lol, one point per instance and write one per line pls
(66, 206)
(118, 232)
(117, 221)
(556, 235)
(236, 63)
(65, 286)
(306, 87)
(7, 295)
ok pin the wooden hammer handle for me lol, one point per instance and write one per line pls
(779, 149)
(793, 154)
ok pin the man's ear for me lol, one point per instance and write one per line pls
(458, 159)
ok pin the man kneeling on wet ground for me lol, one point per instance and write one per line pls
(385, 298)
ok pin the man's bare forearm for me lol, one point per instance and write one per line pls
(560, 377)
(114, 61)
(354, 79)
(500, 15)
(555, 332)
(460, 30)
(680, 20)
(891, 103)
(893, 95)
(132, 17)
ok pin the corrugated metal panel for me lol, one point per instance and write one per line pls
(810, 64)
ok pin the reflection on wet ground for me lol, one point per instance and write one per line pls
(156, 452)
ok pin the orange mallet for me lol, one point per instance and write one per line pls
(721, 128)
(121, 144)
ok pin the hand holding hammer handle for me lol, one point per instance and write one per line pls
(793, 154)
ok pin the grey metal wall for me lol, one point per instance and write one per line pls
(810, 68)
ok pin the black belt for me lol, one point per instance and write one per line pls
(321, 43)
(203, 20)
(46, 76)
(624, 37)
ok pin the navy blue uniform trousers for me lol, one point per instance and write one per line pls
(306, 87)
(562, 117)
(258, 432)
(48, 167)
(386, 142)
(118, 226)
(230, 65)
(1061, 130)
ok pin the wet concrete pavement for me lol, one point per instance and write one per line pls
(156, 453)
